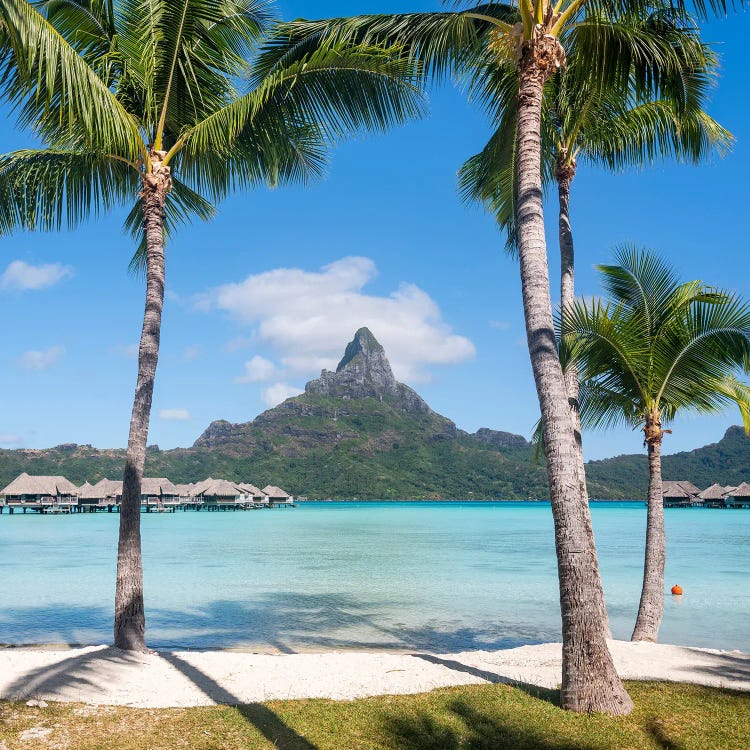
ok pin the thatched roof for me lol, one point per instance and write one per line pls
(742, 491)
(157, 486)
(674, 490)
(714, 492)
(250, 489)
(679, 489)
(221, 488)
(107, 488)
(272, 491)
(39, 485)
(185, 490)
(198, 487)
(85, 492)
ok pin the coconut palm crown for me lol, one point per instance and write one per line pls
(653, 349)
(601, 123)
(153, 105)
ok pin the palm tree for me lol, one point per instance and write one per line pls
(584, 121)
(655, 349)
(531, 37)
(137, 102)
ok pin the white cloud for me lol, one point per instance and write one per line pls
(257, 370)
(191, 353)
(308, 317)
(174, 415)
(23, 276)
(8, 439)
(279, 392)
(41, 360)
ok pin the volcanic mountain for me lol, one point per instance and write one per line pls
(359, 433)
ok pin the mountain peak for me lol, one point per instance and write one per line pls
(363, 343)
(364, 372)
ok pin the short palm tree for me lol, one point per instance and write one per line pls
(153, 104)
(531, 38)
(656, 348)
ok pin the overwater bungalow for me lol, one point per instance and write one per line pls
(680, 494)
(257, 496)
(51, 494)
(106, 493)
(159, 492)
(713, 496)
(185, 492)
(276, 497)
(219, 492)
(738, 497)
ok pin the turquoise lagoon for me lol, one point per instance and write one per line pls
(410, 576)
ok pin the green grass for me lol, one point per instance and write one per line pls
(492, 717)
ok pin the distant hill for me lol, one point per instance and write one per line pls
(359, 433)
(725, 462)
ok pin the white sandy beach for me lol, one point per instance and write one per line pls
(105, 675)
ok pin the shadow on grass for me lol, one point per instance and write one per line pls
(535, 691)
(279, 734)
(657, 733)
(477, 730)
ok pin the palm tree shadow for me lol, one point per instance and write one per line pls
(80, 671)
(535, 691)
(280, 734)
(479, 730)
(660, 738)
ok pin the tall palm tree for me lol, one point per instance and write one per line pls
(586, 122)
(153, 104)
(530, 37)
(654, 349)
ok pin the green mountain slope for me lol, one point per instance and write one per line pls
(725, 462)
(358, 433)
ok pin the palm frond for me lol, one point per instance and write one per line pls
(49, 189)
(56, 93)
(657, 346)
(640, 281)
(445, 43)
(339, 89)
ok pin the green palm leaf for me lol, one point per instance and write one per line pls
(57, 93)
(49, 189)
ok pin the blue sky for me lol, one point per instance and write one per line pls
(270, 291)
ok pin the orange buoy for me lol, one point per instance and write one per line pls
(677, 590)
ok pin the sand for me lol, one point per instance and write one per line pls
(104, 675)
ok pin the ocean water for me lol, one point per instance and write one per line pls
(434, 576)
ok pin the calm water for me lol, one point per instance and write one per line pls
(435, 576)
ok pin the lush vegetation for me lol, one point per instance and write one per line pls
(493, 717)
(382, 453)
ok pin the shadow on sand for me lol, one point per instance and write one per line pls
(284, 621)
(84, 670)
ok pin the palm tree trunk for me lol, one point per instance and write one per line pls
(565, 171)
(130, 619)
(589, 680)
(651, 607)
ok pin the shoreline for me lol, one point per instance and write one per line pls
(103, 675)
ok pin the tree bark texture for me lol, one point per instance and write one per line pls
(589, 680)
(565, 171)
(130, 619)
(651, 607)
